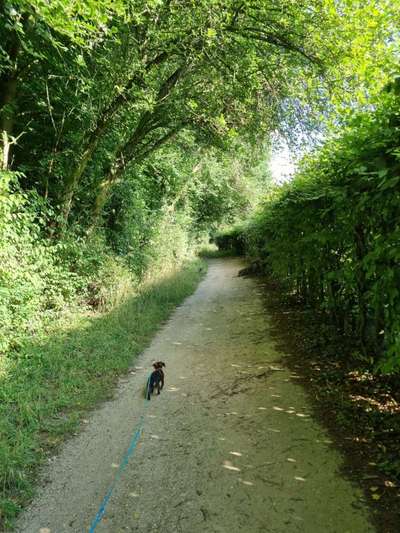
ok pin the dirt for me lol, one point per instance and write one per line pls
(359, 408)
(229, 446)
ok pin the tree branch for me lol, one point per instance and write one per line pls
(260, 34)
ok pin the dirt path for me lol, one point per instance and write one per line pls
(228, 447)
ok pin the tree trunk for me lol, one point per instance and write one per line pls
(134, 150)
(360, 252)
(8, 93)
(92, 140)
(118, 169)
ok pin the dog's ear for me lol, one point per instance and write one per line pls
(162, 364)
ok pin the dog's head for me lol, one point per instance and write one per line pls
(158, 365)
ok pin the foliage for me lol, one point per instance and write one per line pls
(29, 280)
(231, 240)
(331, 235)
(89, 91)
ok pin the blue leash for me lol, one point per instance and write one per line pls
(132, 446)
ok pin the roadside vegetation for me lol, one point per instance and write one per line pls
(331, 237)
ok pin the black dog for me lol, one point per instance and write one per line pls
(156, 379)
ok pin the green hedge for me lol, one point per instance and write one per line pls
(231, 240)
(332, 235)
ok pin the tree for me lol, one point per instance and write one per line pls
(27, 26)
(88, 95)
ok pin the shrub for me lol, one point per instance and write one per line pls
(332, 237)
(231, 240)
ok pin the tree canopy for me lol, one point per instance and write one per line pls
(89, 91)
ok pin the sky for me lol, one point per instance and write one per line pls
(281, 164)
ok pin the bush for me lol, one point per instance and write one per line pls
(40, 277)
(231, 240)
(26, 265)
(332, 237)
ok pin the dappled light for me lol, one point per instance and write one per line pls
(384, 404)
(229, 466)
(248, 483)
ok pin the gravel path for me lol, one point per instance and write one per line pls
(229, 446)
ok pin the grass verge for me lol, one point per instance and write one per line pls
(46, 390)
(360, 410)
